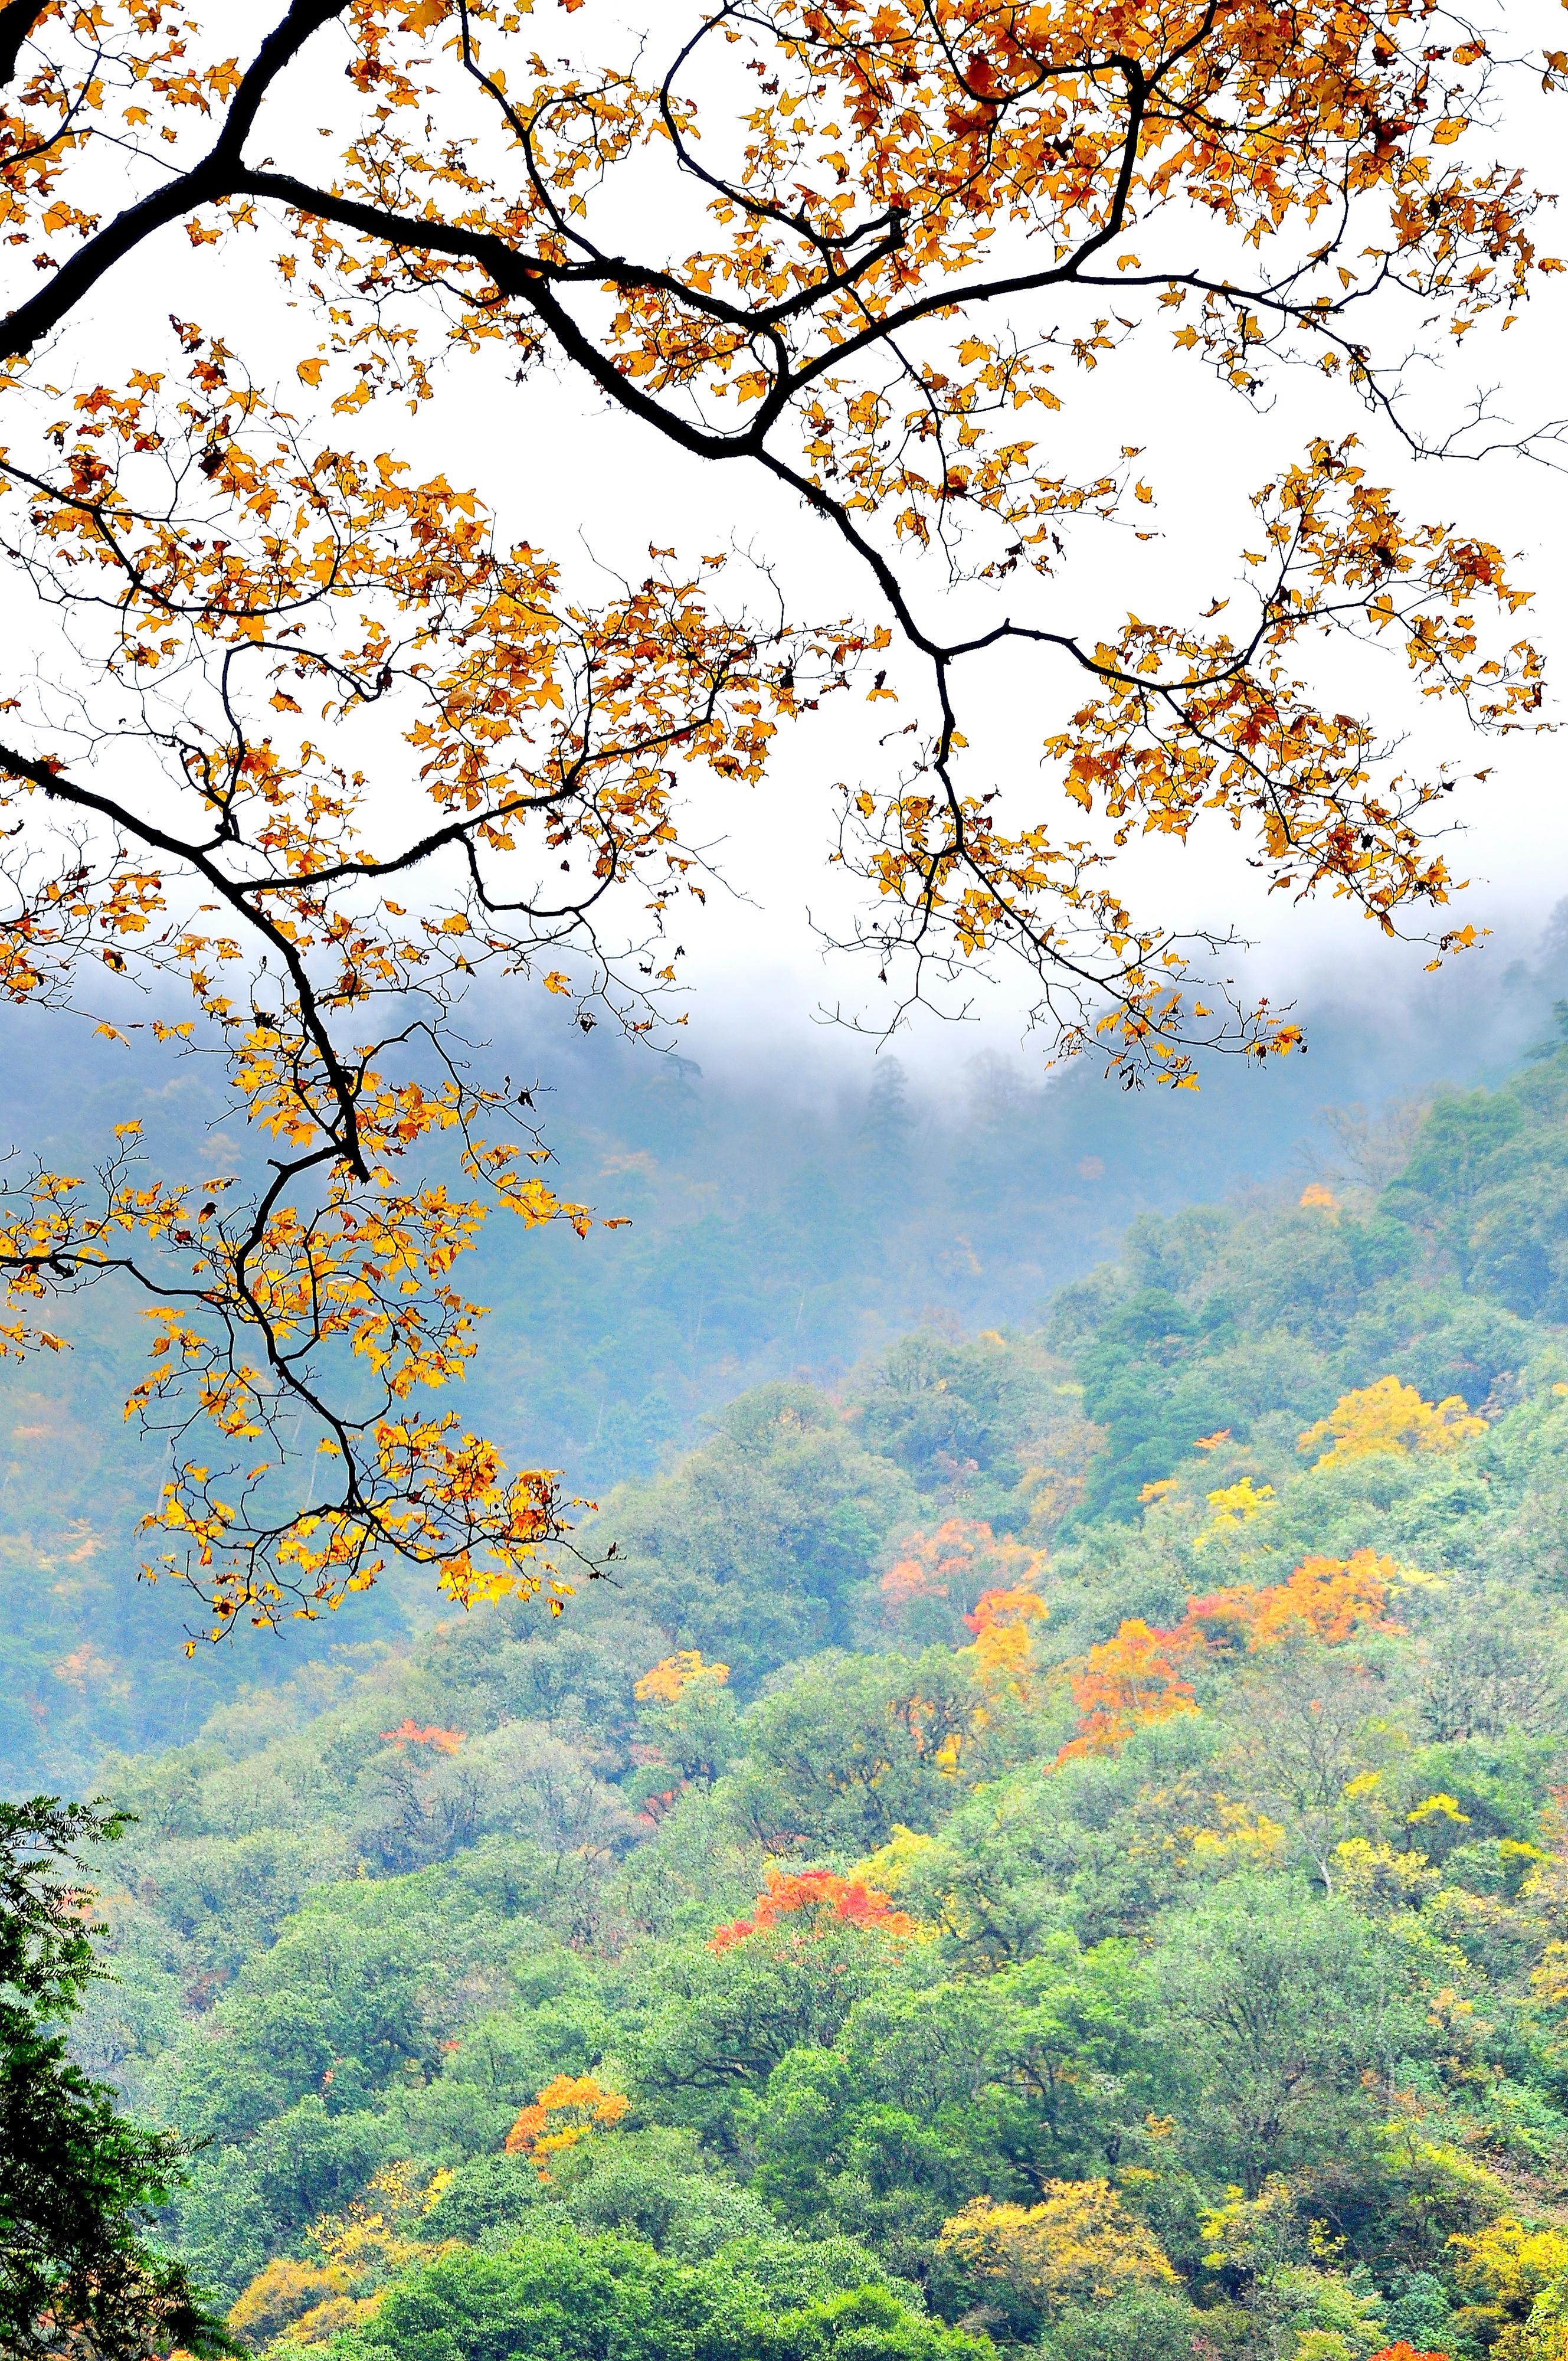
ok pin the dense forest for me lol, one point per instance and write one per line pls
(1059, 1841)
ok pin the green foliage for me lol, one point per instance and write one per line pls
(553, 2295)
(926, 2095)
(719, 2024)
(957, 1411)
(1143, 2324)
(755, 1552)
(78, 2181)
(849, 1751)
(1278, 2005)
(1220, 1320)
(658, 2183)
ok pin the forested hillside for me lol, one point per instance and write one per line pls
(770, 1236)
(1062, 1840)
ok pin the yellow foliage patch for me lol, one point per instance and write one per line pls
(1390, 1417)
(1079, 2245)
(674, 1674)
(361, 2251)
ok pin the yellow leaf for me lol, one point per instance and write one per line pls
(556, 982)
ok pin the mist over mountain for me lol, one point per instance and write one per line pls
(787, 1218)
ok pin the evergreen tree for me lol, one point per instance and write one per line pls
(77, 2179)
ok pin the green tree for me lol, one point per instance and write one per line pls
(1142, 2324)
(78, 2182)
(943, 1409)
(1453, 1167)
(854, 1748)
(1286, 2015)
(553, 2295)
(981, 2083)
(755, 1548)
(719, 2022)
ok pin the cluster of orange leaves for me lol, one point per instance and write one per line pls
(1140, 1676)
(321, 577)
(822, 1899)
(1001, 1660)
(945, 1563)
(564, 2113)
(409, 1733)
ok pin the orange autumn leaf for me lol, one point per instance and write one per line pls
(1006, 1610)
(1002, 1641)
(1143, 1674)
(933, 1565)
(1331, 1598)
(947, 1562)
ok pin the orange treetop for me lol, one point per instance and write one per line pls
(824, 1898)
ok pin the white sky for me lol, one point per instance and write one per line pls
(568, 475)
